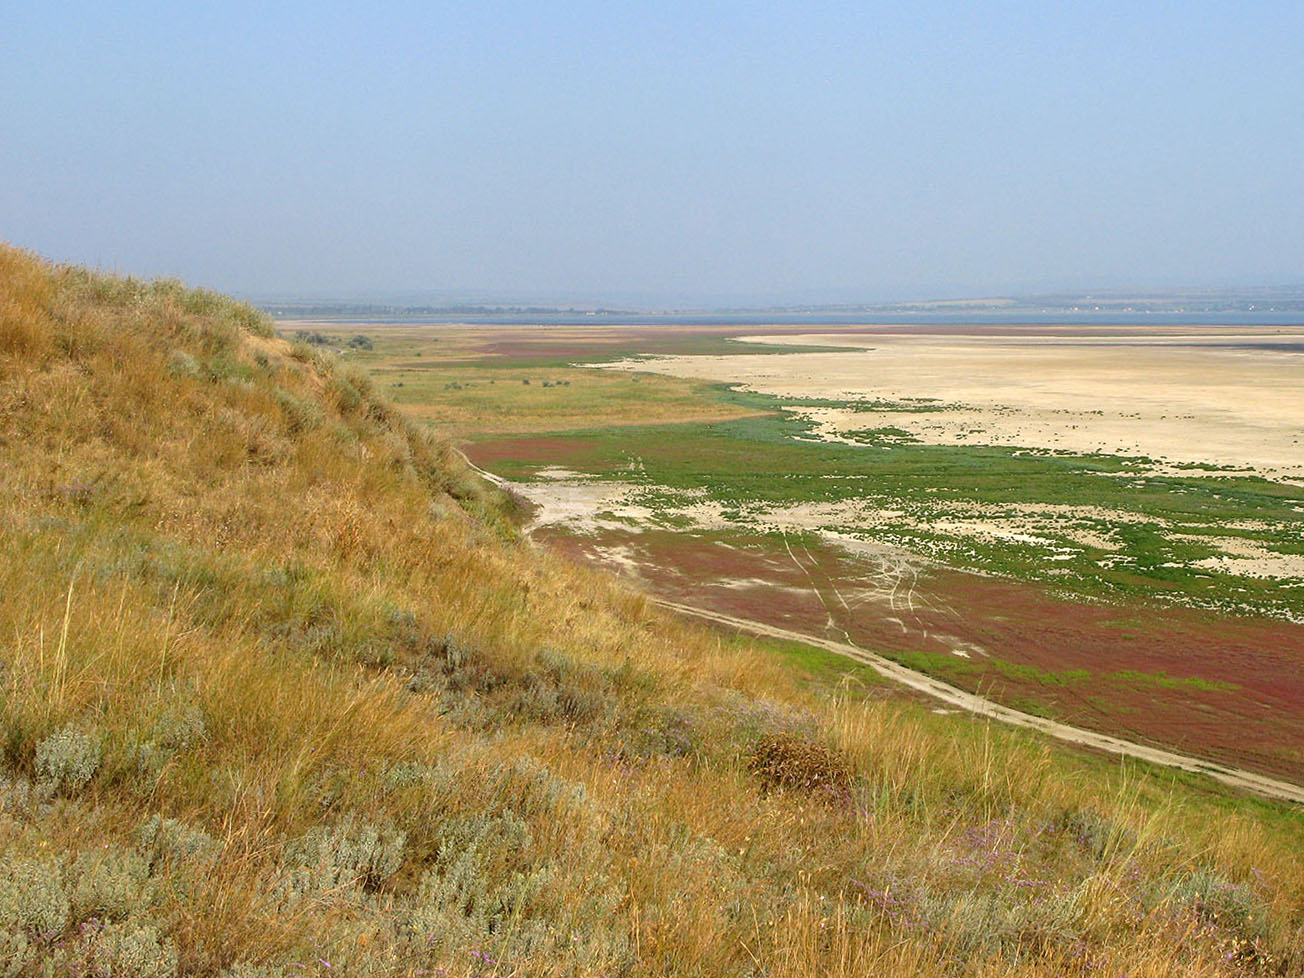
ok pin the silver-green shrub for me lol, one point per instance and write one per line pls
(253, 971)
(17, 795)
(32, 897)
(180, 727)
(300, 414)
(69, 757)
(110, 883)
(534, 787)
(126, 949)
(160, 839)
(1203, 893)
(149, 759)
(182, 364)
(971, 923)
(405, 774)
(458, 898)
(244, 970)
(350, 853)
(491, 880)
(16, 953)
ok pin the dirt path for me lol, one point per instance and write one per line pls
(1237, 778)
(973, 703)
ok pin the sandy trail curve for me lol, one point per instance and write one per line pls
(1236, 777)
(920, 682)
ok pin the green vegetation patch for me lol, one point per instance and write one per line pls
(820, 669)
(766, 461)
(880, 437)
(989, 667)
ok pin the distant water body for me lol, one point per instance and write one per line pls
(1019, 318)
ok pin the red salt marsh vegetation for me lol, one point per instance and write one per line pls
(1133, 647)
(1228, 689)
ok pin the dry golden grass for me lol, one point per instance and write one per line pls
(239, 593)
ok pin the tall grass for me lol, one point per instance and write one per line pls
(282, 693)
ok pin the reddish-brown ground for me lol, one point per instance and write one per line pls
(1228, 689)
(561, 342)
(561, 451)
(1253, 717)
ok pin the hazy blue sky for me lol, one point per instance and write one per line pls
(674, 151)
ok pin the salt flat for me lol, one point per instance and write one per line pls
(1204, 396)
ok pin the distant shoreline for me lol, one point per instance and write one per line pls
(1005, 318)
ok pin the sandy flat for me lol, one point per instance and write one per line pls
(1211, 397)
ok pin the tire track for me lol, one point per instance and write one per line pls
(973, 703)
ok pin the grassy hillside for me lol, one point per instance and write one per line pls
(281, 693)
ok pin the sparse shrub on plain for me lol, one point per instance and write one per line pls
(469, 712)
(228, 368)
(182, 364)
(180, 726)
(970, 925)
(537, 702)
(531, 786)
(148, 760)
(245, 970)
(1208, 896)
(127, 949)
(374, 408)
(254, 320)
(314, 337)
(1097, 836)
(559, 689)
(17, 954)
(32, 897)
(199, 302)
(18, 796)
(350, 853)
(301, 351)
(485, 874)
(790, 761)
(344, 435)
(112, 883)
(670, 732)
(69, 757)
(481, 689)
(407, 774)
(456, 653)
(169, 840)
(582, 689)
(347, 397)
(753, 719)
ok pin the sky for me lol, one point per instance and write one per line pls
(658, 152)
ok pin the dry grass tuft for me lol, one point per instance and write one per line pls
(785, 760)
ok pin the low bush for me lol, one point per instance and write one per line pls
(350, 853)
(788, 761)
(69, 757)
